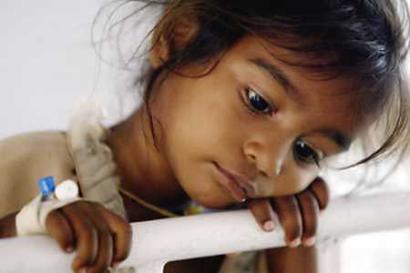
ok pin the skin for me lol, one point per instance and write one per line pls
(202, 121)
(101, 238)
(203, 124)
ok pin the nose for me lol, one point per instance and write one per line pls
(267, 156)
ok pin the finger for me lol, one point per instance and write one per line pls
(320, 190)
(122, 234)
(262, 211)
(59, 228)
(289, 215)
(86, 236)
(309, 209)
(105, 240)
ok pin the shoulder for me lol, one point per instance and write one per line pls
(26, 158)
(21, 144)
(34, 149)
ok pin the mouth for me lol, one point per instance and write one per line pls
(238, 186)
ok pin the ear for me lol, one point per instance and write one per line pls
(169, 37)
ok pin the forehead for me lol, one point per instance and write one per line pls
(329, 99)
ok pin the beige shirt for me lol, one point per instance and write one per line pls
(80, 154)
(25, 159)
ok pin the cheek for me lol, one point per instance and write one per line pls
(298, 180)
(293, 180)
(204, 122)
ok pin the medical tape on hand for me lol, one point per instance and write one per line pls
(31, 220)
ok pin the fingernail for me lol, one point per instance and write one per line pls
(83, 270)
(69, 249)
(269, 225)
(310, 241)
(295, 243)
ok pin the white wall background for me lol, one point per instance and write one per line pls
(47, 65)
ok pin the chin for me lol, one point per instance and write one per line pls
(214, 203)
(206, 191)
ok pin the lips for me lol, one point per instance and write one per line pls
(238, 186)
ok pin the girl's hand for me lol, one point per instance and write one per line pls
(298, 213)
(100, 237)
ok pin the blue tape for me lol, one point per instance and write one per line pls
(47, 186)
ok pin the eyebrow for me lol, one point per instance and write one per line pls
(277, 74)
(339, 138)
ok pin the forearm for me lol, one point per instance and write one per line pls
(8, 226)
(292, 260)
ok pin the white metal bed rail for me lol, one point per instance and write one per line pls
(157, 242)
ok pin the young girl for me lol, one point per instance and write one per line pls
(243, 105)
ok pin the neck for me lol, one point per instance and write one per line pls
(142, 168)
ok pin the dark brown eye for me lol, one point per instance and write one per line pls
(257, 103)
(304, 153)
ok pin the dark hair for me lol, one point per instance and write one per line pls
(366, 39)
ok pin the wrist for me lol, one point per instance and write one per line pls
(8, 226)
(31, 219)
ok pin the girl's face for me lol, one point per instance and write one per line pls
(253, 127)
